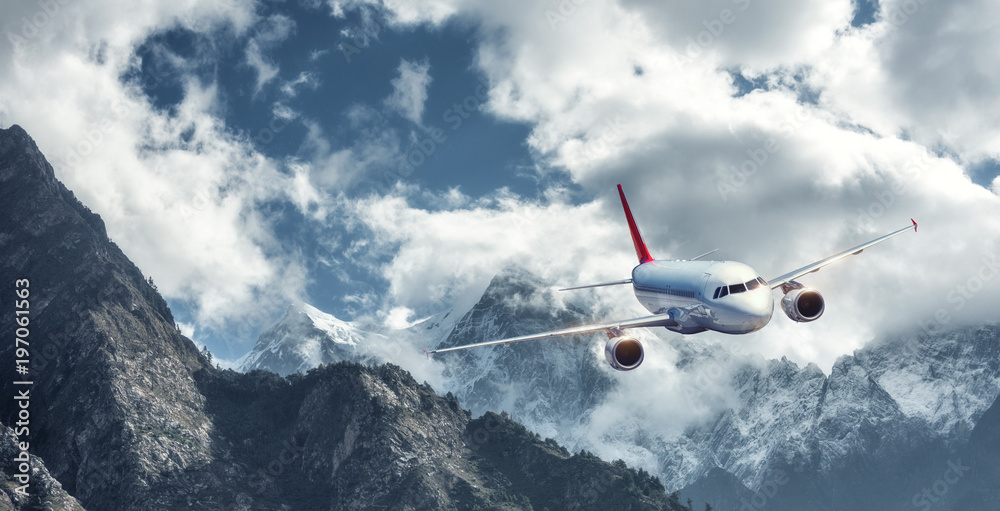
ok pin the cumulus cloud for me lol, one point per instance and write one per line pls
(445, 256)
(925, 72)
(403, 12)
(409, 90)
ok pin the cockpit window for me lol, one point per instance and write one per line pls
(723, 291)
(717, 293)
(752, 284)
(761, 281)
(737, 288)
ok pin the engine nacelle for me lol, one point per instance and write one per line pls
(803, 304)
(624, 353)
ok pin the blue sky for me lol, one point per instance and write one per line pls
(383, 159)
(346, 63)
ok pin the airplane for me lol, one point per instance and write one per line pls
(694, 295)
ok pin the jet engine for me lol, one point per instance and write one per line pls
(803, 304)
(623, 353)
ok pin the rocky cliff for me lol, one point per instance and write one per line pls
(41, 491)
(549, 385)
(114, 404)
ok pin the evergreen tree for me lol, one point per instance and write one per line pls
(675, 499)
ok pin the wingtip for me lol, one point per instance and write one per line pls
(914, 225)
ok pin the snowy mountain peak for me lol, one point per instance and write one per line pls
(306, 337)
(340, 329)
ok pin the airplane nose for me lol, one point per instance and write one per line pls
(756, 306)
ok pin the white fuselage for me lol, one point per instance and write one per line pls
(724, 296)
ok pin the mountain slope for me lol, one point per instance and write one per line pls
(111, 371)
(868, 436)
(348, 436)
(547, 385)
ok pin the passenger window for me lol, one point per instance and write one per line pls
(737, 288)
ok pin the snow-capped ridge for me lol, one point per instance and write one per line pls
(304, 338)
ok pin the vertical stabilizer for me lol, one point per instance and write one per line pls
(640, 246)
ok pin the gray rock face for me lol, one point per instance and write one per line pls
(111, 372)
(347, 436)
(42, 490)
(550, 386)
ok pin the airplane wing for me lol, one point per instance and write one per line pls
(602, 284)
(647, 321)
(792, 275)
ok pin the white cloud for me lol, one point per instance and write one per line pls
(927, 71)
(409, 90)
(266, 71)
(398, 318)
(404, 12)
(448, 256)
(305, 79)
(269, 33)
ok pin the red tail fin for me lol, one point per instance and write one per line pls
(640, 246)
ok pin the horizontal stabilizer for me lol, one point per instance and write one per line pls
(710, 252)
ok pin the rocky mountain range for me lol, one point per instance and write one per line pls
(126, 414)
(873, 434)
